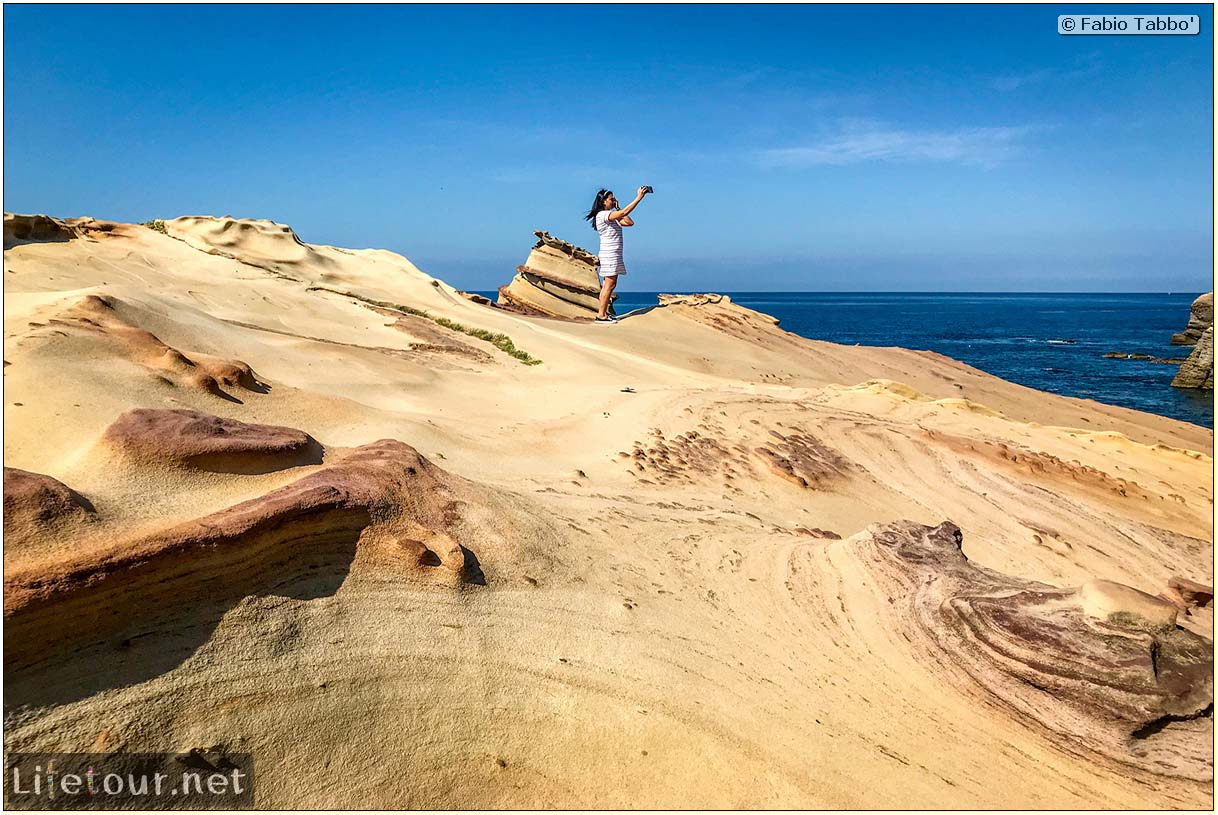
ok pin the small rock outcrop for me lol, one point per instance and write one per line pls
(19, 229)
(1145, 358)
(201, 441)
(1198, 370)
(1201, 317)
(558, 279)
(36, 504)
(1188, 594)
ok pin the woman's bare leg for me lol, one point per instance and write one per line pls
(607, 287)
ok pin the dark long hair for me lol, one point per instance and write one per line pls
(597, 206)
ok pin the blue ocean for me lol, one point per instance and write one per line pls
(1053, 342)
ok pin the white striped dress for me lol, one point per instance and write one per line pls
(611, 245)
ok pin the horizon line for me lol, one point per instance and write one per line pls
(892, 291)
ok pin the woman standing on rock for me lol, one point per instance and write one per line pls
(608, 221)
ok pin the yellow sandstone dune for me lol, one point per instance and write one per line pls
(412, 550)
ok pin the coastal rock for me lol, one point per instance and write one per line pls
(709, 298)
(19, 229)
(545, 239)
(383, 498)
(1192, 593)
(205, 442)
(558, 279)
(803, 460)
(1198, 370)
(1102, 667)
(1145, 358)
(112, 321)
(261, 243)
(675, 624)
(36, 505)
(1201, 316)
(1119, 604)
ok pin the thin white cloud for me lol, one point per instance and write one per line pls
(1010, 82)
(1085, 65)
(855, 143)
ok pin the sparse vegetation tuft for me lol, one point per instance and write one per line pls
(156, 226)
(501, 341)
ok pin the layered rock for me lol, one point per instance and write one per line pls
(1201, 317)
(382, 504)
(558, 279)
(1103, 668)
(1198, 370)
(19, 229)
(201, 441)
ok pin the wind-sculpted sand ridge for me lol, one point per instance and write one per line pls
(302, 501)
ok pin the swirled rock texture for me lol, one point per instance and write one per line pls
(1103, 668)
(690, 561)
(381, 504)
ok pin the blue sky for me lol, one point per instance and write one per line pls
(819, 148)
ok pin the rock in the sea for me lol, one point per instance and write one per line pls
(1145, 358)
(558, 279)
(1198, 370)
(1201, 317)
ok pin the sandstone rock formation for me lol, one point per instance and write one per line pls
(36, 505)
(103, 317)
(202, 441)
(1198, 370)
(1201, 316)
(20, 229)
(1103, 667)
(558, 279)
(661, 570)
(260, 243)
(382, 504)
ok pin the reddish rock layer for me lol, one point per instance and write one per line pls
(382, 503)
(1118, 685)
(36, 504)
(206, 442)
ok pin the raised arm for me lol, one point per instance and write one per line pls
(626, 221)
(618, 215)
